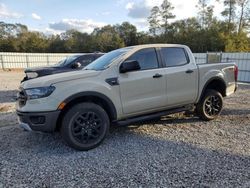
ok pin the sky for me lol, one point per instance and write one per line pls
(56, 16)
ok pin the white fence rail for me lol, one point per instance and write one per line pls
(9, 60)
(242, 60)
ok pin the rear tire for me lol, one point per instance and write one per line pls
(85, 126)
(210, 105)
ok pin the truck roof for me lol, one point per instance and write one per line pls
(157, 45)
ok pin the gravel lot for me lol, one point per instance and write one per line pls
(176, 151)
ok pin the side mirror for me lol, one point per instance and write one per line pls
(76, 65)
(130, 65)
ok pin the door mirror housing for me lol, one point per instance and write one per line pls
(76, 65)
(130, 65)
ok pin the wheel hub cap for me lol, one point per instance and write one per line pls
(213, 105)
(86, 127)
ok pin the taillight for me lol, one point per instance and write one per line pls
(236, 70)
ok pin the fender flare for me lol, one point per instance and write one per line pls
(111, 106)
(208, 82)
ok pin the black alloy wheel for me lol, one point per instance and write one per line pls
(85, 126)
(213, 105)
(210, 105)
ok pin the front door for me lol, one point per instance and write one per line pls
(145, 89)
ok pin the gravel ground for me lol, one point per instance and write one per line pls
(176, 151)
(9, 83)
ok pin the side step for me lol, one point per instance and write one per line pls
(150, 116)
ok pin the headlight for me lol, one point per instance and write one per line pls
(39, 92)
(31, 74)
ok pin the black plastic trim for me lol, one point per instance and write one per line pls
(111, 106)
(159, 57)
(208, 82)
(146, 117)
(112, 81)
(49, 124)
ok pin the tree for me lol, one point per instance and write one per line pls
(76, 41)
(229, 13)
(159, 18)
(8, 45)
(107, 39)
(205, 13)
(166, 13)
(11, 30)
(32, 42)
(154, 20)
(244, 14)
(56, 44)
(237, 43)
(202, 7)
(128, 33)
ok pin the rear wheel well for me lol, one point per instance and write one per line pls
(92, 99)
(217, 85)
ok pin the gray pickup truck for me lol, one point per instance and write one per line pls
(122, 87)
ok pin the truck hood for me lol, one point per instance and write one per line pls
(43, 71)
(39, 69)
(56, 78)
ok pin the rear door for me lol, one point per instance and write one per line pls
(181, 76)
(145, 89)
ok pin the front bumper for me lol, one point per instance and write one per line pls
(38, 121)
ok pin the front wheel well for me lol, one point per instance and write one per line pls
(106, 105)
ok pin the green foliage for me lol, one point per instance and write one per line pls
(107, 39)
(237, 43)
(31, 42)
(202, 33)
(127, 33)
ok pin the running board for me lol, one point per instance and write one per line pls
(150, 116)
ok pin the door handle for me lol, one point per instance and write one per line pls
(189, 71)
(157, 75)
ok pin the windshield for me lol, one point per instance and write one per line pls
(67, 60)
(104, 61)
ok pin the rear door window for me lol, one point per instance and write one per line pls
(174, 56)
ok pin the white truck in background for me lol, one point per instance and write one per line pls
(124, 86)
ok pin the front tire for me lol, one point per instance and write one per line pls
(210, 105)
(85, 126)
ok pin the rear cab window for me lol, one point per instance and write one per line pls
(174, 56)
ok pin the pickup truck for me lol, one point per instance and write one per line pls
(124, 86)
(71, 63)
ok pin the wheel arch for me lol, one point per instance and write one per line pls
(88, 96)
(217, 84)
